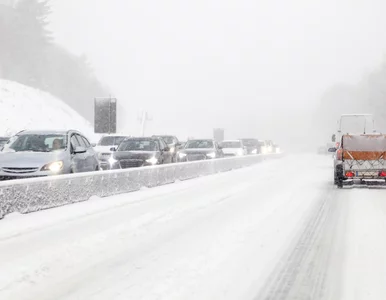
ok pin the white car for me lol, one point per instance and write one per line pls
(104, 148)
(233, 148)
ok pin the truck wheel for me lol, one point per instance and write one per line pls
(339, 176)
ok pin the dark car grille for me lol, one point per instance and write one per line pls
(105, 156)
(229, 154)
(194, 157)
(131, 163)
(2, 178)
(19, 170)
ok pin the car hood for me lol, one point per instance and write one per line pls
(29, 159)
(231, 150)
(197, 151)
(135, 155)
(103, 149)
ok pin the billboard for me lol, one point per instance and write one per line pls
(218, 134)
(105, 115)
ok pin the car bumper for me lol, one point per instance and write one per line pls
(12, 176)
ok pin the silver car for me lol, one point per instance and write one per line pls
(44, 153)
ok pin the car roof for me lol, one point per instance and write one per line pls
(231, 140)
(43, 132)
(207, 140)
(116, 135)
(140, 138)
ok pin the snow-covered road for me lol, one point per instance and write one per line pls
(277, 230)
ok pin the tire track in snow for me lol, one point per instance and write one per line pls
(301, 274)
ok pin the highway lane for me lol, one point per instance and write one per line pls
(277, 230)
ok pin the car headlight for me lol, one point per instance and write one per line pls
(182, 155)
(254, 151)
(55, 166)
(152, 160)
(172, 149)
(211, 155)
(112, 161)
(240, 152)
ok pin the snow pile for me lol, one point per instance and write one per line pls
(23, 107)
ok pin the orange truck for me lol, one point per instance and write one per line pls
(360, 157)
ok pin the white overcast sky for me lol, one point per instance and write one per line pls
(252, 67)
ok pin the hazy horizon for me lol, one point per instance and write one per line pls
(255, 68)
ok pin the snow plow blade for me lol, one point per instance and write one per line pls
(364, 159)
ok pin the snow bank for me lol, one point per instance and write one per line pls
(23, 107)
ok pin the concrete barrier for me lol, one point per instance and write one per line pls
(30, 195)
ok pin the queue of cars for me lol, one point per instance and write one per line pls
(45, 153)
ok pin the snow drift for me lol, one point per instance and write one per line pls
(23, 107)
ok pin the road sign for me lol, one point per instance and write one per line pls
(105, 116)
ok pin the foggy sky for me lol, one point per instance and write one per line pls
(256, 68)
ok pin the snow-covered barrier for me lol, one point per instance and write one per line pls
(30, 195)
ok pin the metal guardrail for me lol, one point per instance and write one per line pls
(31, 195)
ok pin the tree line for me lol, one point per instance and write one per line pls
(29, 55)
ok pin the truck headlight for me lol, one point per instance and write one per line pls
(182, 155)
(55, 166)
(152, 160)
(211, 155)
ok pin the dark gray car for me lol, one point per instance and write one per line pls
(140, 152)
(200, 150)
(45, 153)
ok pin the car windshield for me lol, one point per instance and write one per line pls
(198, 144)
(39, 143)
(138, 145)
(250, 143)
(231, 144)
(168, 139)
(111, 140)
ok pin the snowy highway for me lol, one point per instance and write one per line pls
(276, 230)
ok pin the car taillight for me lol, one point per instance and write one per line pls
(350, 174)
(339, 154)
(337, 145)
(382, 174)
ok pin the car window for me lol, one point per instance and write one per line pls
(74, 142)
(197, 144)
(86, 142)
(38, 143)
(81, 141)
(138, 145)
(163, 144)
(231, 144)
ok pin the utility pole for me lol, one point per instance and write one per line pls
(143, 119)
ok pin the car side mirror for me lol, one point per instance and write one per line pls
(332, 149)
(166, 149)
(79, 150)
(178, 145)
(113, 149)
(220, 147)
(93, 144)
